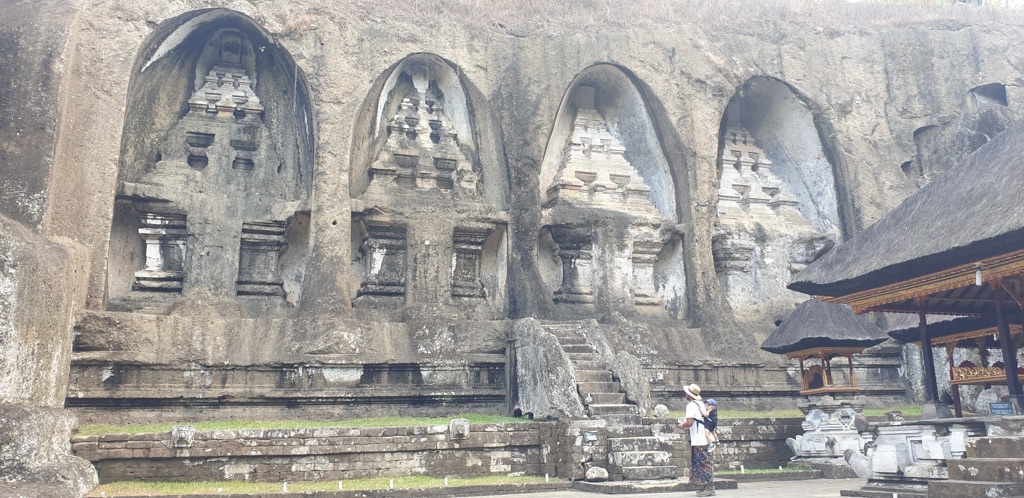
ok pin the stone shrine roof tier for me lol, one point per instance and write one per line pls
(967, 219)
(816, 324)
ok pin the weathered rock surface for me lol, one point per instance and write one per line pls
(545, 385)
(596, 474)
(40, 281)
(476, 239)
(35, 454)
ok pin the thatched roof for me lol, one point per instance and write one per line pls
(937, 330)
(971, 212)
(815, 324)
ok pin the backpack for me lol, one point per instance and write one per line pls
(711, 421)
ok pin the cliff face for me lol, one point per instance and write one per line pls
(449, 167)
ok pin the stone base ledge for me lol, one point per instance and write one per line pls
(448, 492)
(659, 486)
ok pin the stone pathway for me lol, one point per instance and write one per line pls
(813, 488)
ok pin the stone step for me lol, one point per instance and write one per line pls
(650, 473)
(590, 365)
(627, 431)
(582, 357)
(641, 443)
(874, 493)
(607, 398)
(1005, 426)
(987, 469)
(556, 328)
(639, 458)
(578, 348)
(612, 409)
(565, 340)
(622, 418)
(593, 375)
(995, 447)
(989, 489)
(586, 388)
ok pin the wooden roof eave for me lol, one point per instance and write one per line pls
(1001, 266)
(971, 334)
(822, 352)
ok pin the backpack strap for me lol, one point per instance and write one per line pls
(701, 420)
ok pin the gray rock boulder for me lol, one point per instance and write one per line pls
(596, 474)
(545, 382)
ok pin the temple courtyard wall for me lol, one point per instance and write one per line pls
(326, 454)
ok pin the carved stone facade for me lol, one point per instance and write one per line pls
(214, 207)
(606, 232)
(292, 208)
(765, 233)
(426, 232)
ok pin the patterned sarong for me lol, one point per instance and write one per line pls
(702, 468)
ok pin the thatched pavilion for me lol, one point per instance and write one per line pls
(981, 333)
(821, 331)
(955, 247)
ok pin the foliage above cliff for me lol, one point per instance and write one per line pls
(533, 17)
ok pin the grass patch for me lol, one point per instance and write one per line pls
(222, 425)
(764, 471)
(130, 488)
(908, 411)
(743, 414)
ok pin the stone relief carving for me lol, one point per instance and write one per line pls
(215, 206)
(384, 250)
(598, 204)
(165, 252)
(428, 235)
(422, 150)
(761, 237)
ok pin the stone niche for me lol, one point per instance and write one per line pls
(777, 207)
(428, 216)
(215, 176)
(609, 240)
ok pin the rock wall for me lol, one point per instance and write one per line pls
(42, 277)
(340, 453)
(434, 176)
(326, 454)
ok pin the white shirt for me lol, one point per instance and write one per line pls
(697, 435)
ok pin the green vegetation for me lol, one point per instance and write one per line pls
(763, 471)
(770, 17)
(221, 425)
(908, 411)
(129, 488)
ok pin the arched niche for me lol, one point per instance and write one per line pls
(618, 101)
(782, 125)
(778, 204)
(427, 185)
(396, 93)
(609, 238)
(215, 173)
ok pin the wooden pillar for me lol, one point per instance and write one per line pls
(1009, 352)
(931, 386)
(803, 374)
(955, 388)
(853, 382)
(828, 368)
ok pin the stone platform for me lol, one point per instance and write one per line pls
(657, 486)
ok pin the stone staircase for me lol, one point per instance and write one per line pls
(994, 468)
(633, 452)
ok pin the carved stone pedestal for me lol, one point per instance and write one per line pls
(575, 249)
(829, 430)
